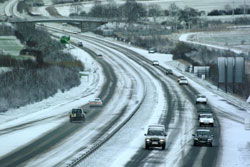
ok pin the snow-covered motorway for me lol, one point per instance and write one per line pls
(135, 94)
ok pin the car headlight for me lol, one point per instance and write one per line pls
(148, 140)
(162, 140)
(209, 139)
(195, 138)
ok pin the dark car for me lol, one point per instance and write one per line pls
(155, 136)
(169, 71)
(203, 137)
(80, 44)
(77, 115)
(99, 55)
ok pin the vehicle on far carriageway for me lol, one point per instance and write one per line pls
(155, 63)
(97, 102)
(99, 55)
(152, 50)
(77, 115)
(155, 137)
(168, 71)
(180, 77)
(183, 81)
(201, 99)
(79, 44)
(203, 137)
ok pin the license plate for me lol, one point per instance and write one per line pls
(154, 142)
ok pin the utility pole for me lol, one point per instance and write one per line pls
(233, 12)
(244, 6)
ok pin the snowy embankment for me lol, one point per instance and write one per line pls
(231, 111)
(31, 121)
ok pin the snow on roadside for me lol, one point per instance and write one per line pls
(235, 145)
(50, 110)
(9, 141)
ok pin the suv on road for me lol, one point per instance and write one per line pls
(203, 137)
(155, 136)
(77, 115)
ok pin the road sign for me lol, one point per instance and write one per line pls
(65, 39)
(239, 69)
(230, 69)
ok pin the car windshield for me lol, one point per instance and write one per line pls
(206, 116)
(203, 133)
(204, 110)
(76, 111)
(156, 133)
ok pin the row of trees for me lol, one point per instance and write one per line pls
(133, 11)
(231, 11)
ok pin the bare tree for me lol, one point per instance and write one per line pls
(76, 8)
(173, 13)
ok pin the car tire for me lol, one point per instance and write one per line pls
(210, 144)
(163, 147)
(146, 146)
(195, 144)
(200, 124)
(212, 125)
